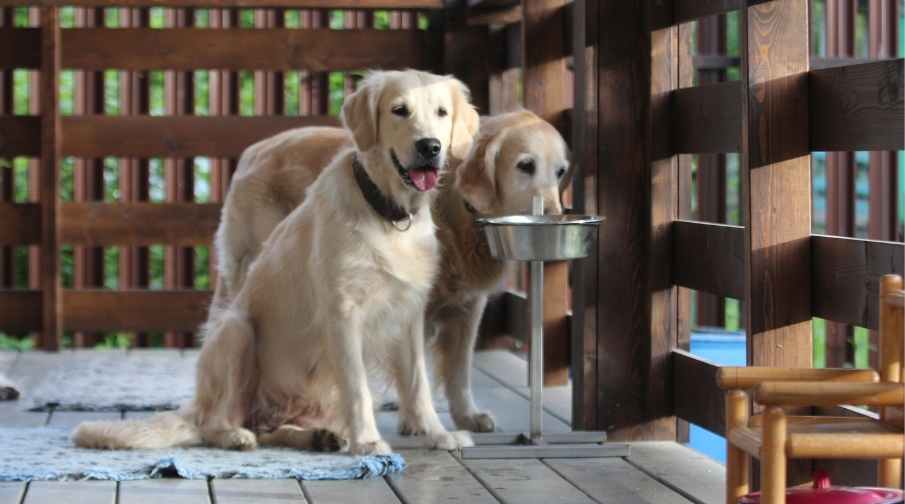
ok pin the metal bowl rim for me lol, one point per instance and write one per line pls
(581, 220)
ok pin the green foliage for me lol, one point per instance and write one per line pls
(8, 342)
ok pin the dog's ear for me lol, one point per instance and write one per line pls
(476, 176)
(360, 113)
(465, 121)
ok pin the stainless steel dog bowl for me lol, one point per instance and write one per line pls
(540, 238)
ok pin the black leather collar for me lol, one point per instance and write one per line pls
(472, 210)
(384, 206)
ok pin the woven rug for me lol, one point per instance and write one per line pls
(48, 454)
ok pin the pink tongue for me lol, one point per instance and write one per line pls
(424, 180)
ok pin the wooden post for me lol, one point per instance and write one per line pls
(891, 361)
(773, 458)
(89, 174)
(7, 173)
(634, 334)
(51, 302)
(840, 176)
(737, 461)
(547, 87)
(775, 175)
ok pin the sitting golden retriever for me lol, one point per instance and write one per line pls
(339, 287)
(516, 156)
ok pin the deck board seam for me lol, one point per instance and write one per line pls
(517, 392)
(664, 482)
(563, 476)
(479, 479)
(211, 498)
(305, 494)
(396, 490)
(24, 495)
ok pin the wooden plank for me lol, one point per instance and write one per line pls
(706, 118)
(13, 414)
(139, 223)
(375, 491)
(244, 491)
(174, 136)
(845, 277)
(776, 171)
(669, 13)
(51, 334)
(510, 410)
(20, 310)
(80, 492)
(287, 49)
(20, 48)
(21, 223)
(103, 310)
(12, 492)
(548, 93)
(20, 135)
(171, 491)
(696, 396)
(298, 4)
(686, 471)
(435, 476)
(857, 107)
(614, 480)
(503, 366)
(525, 481)
(709, 257)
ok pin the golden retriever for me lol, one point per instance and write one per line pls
(516, 155)
(339, 287)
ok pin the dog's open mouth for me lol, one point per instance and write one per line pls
(422, 178)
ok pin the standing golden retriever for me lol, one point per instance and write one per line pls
(340, 286)
(515, 156)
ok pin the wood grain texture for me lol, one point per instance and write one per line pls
(169, 490)
(695, 392)
(375, 491)
(139, 223)
(845, 277)
(316, 50)
(298, 4)
(20, 135)
(695, 475)
(526, 481)
(51, 333)
(709, 257)
(103, 310)
(613, 480)
(857, 107)
(80, 492)
(775, 168)
(241, 491)
(174, 136)
(435, 476)
(706, 119)
(21, 223)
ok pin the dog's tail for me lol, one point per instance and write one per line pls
(163, 430)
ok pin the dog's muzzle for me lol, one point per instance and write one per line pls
(422, 178)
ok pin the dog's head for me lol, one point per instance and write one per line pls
(415, 120)
(516, 156)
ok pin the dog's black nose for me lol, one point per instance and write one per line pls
(428, 148)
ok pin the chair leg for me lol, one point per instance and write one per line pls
(737, 461)
(773, 457)
(889, 473)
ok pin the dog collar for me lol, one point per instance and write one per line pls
(380, 203)
(472, 210)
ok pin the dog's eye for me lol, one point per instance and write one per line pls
(527, 166)
(560, 172)
(442, 112)
(400, 110)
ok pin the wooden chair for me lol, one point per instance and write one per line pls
(776, 435)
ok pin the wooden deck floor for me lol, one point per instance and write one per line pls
(654, 473)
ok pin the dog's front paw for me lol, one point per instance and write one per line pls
(411, 428)
(237, 439)
(451, 440)
(378, 447)
(476, 422)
